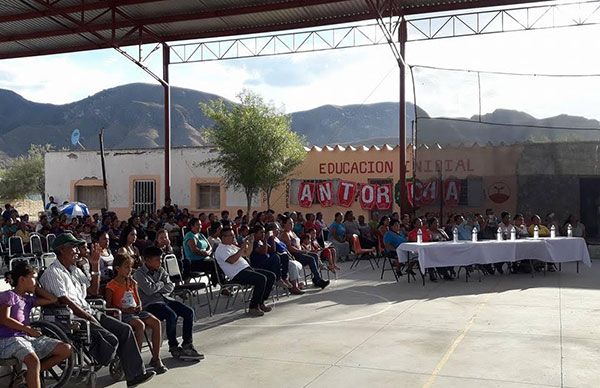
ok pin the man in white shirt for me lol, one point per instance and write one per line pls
(236, 268)
(108, 335)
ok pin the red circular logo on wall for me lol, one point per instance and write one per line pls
(499, 192)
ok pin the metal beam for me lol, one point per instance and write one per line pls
(505, 20)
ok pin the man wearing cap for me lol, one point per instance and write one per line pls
(71, 286)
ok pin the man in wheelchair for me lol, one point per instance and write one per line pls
(109, 336)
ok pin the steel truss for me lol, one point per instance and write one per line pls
(505, 20)
(371, 34)
(278, 44)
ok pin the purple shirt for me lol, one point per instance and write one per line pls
(20, 307)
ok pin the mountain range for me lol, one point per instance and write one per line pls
(132, 116)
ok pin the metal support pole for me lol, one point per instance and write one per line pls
(402, 37)
(104, 183)
(167, 113)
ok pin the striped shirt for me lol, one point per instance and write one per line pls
(72, 283)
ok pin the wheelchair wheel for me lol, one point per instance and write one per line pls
(58, 375)
(116, 369)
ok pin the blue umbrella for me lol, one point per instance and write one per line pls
(74, 209)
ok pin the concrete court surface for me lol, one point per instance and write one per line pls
(507, 331)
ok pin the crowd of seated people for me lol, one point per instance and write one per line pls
(121, 261)
(396, 230)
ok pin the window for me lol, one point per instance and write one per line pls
(209, 196)
(144, 196)
(92, 196)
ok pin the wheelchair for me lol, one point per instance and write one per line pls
(81, 367)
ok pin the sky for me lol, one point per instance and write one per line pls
(357, 75)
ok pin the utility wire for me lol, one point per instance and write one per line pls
(508, 72)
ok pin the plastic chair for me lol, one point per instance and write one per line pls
(361, 253)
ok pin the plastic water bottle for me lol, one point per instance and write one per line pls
(499, 235)
(513, 233)
(455, 234)
(419, 236)
(553, 231)
(536, 232)
(569, 230)
(474, 235)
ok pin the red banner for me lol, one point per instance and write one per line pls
(346, 192)
(306, 194)
(425, 193)
(367, 196)
(451, 192)
(324, 194)
(383, 199)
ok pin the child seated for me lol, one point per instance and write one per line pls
(17, 338)
(122, 293)
(155, 288)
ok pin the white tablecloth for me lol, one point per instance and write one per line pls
(450, 254)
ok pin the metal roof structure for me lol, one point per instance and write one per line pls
(40, 27)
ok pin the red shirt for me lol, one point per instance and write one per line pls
(412, 235)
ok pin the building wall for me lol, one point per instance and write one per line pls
(66, 170)
(526, 178)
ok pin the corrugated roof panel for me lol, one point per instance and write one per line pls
(179, 19)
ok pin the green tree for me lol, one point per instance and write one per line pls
(286, 153)
(25, 174)
(255, 148)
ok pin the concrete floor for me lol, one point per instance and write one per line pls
(507, 331)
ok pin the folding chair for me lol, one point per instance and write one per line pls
(47, 259)
(172, 266)
(361, 253)
(15, 247)
(49, 240)
(195, 276)
(35, 245)
(234, 287)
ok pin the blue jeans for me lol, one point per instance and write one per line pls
(310, 259)
(169, 312)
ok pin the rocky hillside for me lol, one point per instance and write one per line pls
(132, 116)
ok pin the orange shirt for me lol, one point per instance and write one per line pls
(122, 294)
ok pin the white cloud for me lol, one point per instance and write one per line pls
(354, 76)
(63, 78)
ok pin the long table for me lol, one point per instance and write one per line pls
(451, 254)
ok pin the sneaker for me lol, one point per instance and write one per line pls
(190, 353)
(176, 352)
(158, 367)
(141, 379)
(264, 308)
(255, 312)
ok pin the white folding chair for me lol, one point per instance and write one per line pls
(35, 245)
(49, 240)
(48, 258)
(171, 265)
